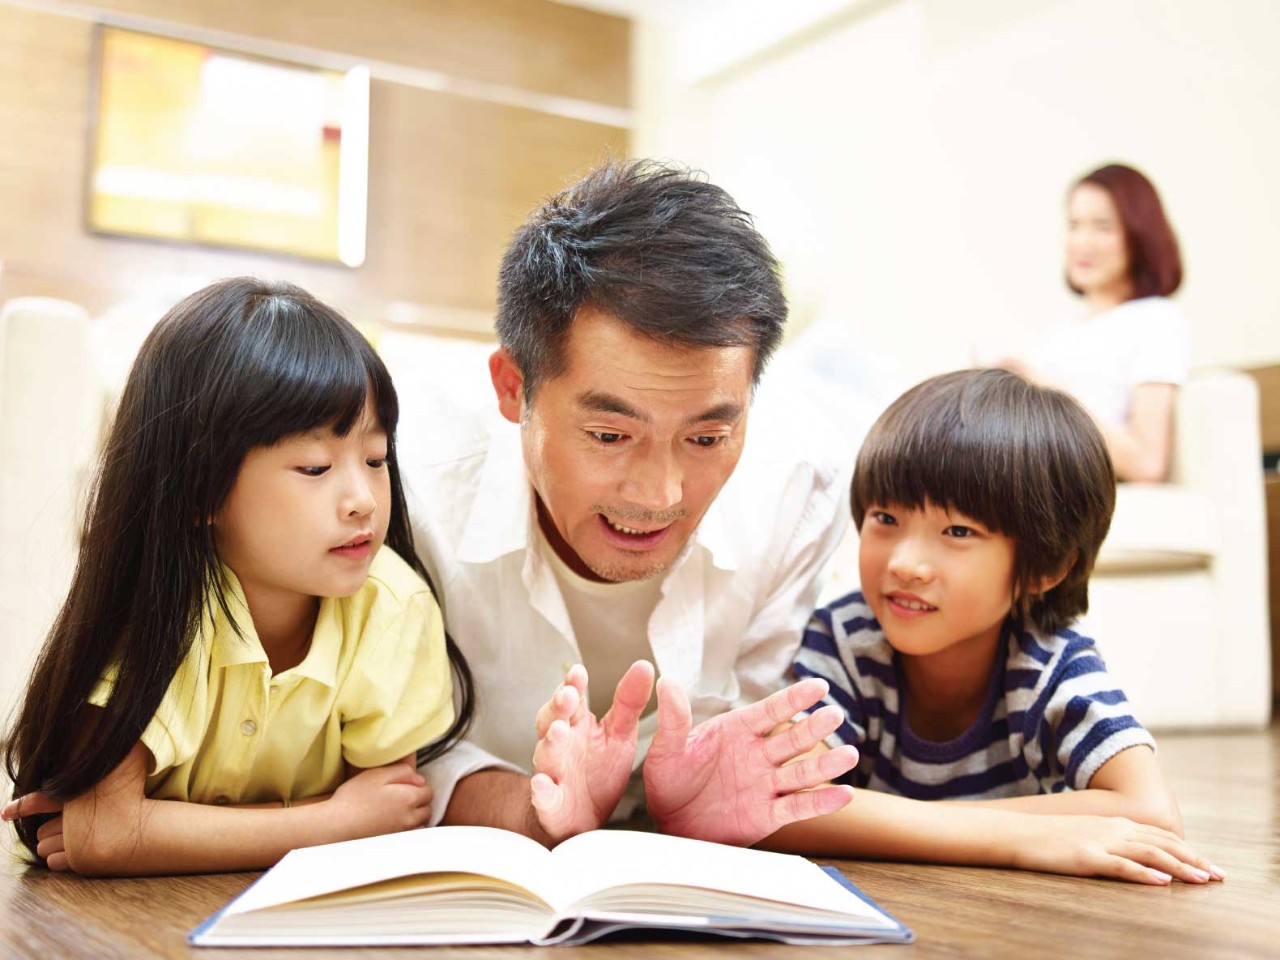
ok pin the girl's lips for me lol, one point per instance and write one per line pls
(354, 551)
(632, 541)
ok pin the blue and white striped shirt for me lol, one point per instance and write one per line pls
(1051, 718)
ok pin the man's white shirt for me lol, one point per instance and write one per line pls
(732, 606)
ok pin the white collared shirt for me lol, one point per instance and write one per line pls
(733, 605)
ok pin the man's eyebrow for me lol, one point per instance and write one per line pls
(728, 412)
(596, 401)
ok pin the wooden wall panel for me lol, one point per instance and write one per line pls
(450, 178)
(532, 44)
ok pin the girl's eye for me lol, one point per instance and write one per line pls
(605, 437)
(959, 531)
(312, 471)
(378, 463)
(708, 441)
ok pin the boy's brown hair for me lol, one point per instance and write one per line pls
(1023, 460)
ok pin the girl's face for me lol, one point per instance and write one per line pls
(935, 579)
(1097, 253)
(307, 515)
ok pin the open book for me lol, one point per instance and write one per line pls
(482, 885)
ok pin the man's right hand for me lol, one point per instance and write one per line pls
(581, 765)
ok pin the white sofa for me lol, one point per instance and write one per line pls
(1178, 603)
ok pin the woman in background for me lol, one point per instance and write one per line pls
(1126, 359)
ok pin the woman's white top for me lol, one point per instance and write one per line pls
(1101, 359)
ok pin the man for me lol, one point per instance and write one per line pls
(636, 312)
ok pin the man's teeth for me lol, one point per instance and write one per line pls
(621, 529)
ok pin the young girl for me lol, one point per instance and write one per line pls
(241, 667)
(982, 500)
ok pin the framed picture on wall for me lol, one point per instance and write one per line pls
(200, 144)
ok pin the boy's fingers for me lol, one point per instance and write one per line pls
(1122, 868)
(1159, 859)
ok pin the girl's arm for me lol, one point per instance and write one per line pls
(1130, 785)
(1140, 451)
(882, 826)
(115, 829)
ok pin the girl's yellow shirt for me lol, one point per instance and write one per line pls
(373, 687)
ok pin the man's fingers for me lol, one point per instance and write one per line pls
(808, 804)
(675, 719)
(546, 796)
(803, 736)
(629, 699)
(764, 715)
(814, 771)
(550, 756)
(566, 703)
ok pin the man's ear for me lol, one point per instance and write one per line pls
(508, 384)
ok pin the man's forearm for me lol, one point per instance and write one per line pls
(495, 798)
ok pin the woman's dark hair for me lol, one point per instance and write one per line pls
(1023, 460)
(238, 365)
(655, 246)
(1155, 265)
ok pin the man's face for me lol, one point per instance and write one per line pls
(629, 445)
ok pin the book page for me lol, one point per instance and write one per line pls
(316, 871)
(596, 861)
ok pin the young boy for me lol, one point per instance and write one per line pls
(981, 502)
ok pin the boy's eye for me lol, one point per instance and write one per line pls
(879, 516)
(311, 471)
(605, 437)
(959, 531)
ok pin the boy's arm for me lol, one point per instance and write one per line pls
(1130, 785)
(882, 826)
(114, 829)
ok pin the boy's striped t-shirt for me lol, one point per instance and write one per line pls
(1052, 714)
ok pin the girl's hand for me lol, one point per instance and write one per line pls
(28, 805)
(382, 800)
(1089, 846)
(51, 847)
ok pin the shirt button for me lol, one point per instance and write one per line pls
(248, 728)
(221, 801)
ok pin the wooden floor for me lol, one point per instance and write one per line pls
(1228, 784)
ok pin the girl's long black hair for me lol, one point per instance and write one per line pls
(238, 365)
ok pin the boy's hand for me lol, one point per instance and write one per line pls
(729, 780)
(581, 765)
(381, 800)
(1089, 846)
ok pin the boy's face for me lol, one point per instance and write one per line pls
(935, 579)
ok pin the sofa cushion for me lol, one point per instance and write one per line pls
(1159, 526)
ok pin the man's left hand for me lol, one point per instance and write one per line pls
(730, 780)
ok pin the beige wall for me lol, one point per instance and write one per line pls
(908, 159)
(451, 173)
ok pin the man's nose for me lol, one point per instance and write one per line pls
(655, 481)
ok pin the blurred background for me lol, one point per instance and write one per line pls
(907, 159)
